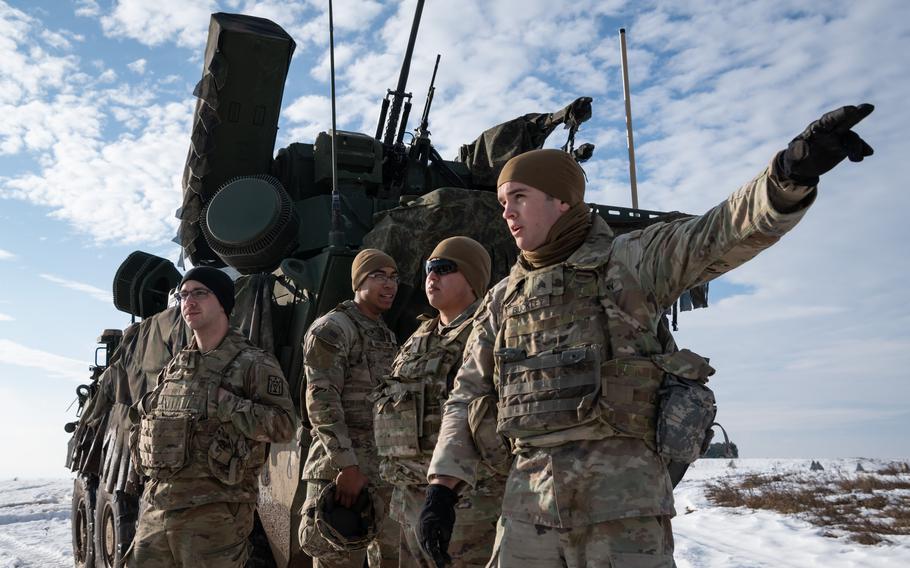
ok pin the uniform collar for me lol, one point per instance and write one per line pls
(593, 251)
(232, 337)
(349, 307)
(468, 312)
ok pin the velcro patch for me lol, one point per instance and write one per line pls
(276, 386)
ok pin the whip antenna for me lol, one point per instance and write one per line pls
(336, 234)
(628, 98)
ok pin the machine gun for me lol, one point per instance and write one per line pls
(396, 107)
(423, 129)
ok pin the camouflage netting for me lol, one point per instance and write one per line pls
(486, 155)
(102, 446)
(252, 314)
(410, 232)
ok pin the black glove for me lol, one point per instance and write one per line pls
(437, 518)
(823, 144)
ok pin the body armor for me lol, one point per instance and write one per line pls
(570, 364)
(346, 358)
(377, 349)
(179, 435)
(408, 407)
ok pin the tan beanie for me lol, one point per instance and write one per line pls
(472, 259)
(553, 172)
(367, 261)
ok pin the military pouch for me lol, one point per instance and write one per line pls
(548, 391)
(397, 419)
(629, 396)
(229, 455)
(494, 449)
(686, 407)
(163, 443)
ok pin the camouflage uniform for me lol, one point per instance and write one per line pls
(202, 437)
(345, 356)
(407, 418)
(568, 351)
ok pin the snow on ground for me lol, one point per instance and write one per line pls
(35, 525)
(715, 537)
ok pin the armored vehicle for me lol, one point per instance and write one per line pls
(288, 233)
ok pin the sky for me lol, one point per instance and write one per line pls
(810, 340)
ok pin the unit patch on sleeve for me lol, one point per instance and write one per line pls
(276, 386)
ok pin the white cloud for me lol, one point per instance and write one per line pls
(4, 317)
(154, 23)
(348, 17)
(122, 189)
(137, 66)
(56, 366)
(92, 291)
(87, 8)
(26, 69)
(108, 76)
(306, 117)
(56, 40)
(6, 255)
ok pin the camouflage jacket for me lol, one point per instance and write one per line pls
(429, 358)
(245, 406)
(345, 356)
(599, 478)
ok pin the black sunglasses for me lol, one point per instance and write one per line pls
(441, 266)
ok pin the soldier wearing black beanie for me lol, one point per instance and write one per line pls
(215, 280)
(205, 429)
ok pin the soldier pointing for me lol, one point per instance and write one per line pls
(568, 344)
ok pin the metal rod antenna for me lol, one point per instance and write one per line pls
(336, 234)
(628, 98)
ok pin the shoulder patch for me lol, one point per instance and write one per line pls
(335, 329)
(276, 385)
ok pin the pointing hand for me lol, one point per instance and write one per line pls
(824, 144)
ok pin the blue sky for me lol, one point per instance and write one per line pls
(810, 339)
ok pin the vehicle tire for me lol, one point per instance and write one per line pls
(115, 525)
(82, 520)
(260, 551)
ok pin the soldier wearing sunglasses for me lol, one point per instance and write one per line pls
(408, 409)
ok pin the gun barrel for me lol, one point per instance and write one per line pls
(383, 111)
(399, 94)
(425, 117)
(404, 122)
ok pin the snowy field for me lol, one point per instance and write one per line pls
(35, 525)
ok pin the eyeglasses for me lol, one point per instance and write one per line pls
(382, 277)
(198, 294)
(441, 266)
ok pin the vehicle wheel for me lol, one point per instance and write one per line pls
(115, 525)
(82, 520)
(260, 551)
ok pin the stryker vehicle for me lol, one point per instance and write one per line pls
(291, 234)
